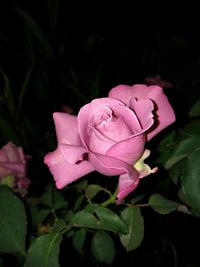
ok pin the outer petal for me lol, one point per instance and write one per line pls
(126, 185)
(109, 166)
(86, 111)
(164, 112)
(63, 171)
(129, 150)
(72, 154)
(66, 128)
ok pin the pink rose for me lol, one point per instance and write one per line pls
(12, 161)
(109, 136)
(13, 167)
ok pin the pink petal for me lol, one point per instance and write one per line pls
(109, 166)
(98, 142)
(63, 171)
(13, 168)
(13, 155)
(87, 110)
(164, 112)
(126, 185)
(129, 150)
(72, 154)
(143, 109)
(66, 129)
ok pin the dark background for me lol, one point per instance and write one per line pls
(92, 50)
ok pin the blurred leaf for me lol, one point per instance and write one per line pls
(36, 31)
(135, 223)
(8, 92)
(92, 189)
(47, 198)
(103, 247)
(7, 131)
(79, 239)
(162, 205)
(192, 127)
(44, 252)
(38, 216)
(53, 7)
(59, 226)
(195, 110)
(91, 207)
(81, 185)
(53, 199)
(79, 201)
(12, 222)
(136, 199)
(61, 204)
(107, 220)
(191, 180)
(24, 88)
(166, 147)
(176, 171)
(68, 215)
(183, 149)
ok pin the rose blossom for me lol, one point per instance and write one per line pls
(13, 168)
(109, 136)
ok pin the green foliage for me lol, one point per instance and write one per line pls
(44, 251)
(13, 222)
(162, 205)
(190, 180)
(103, 247)
(195, 110)
(79, 238)
(102, 218)
(135, 224)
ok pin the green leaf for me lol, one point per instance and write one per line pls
(191, 180)
(44, 251)
(162, 205)
(91, 207)
(38, 215)
(47, 198)
(12, 222)
(62, 204)
(110, 220)
(8, 91)
(84, 219)
(59, 226)
(176, 171)
(68, 215)
(103, 247)
(183, 150)
(79, 201)
(79, 239)
(81, 185)
(8, 131)
(53, 199)
(105, 219)
(92, 189)
(195, 110)
(193, 127)
(135, 223)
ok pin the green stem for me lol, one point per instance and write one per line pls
(111, 199)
